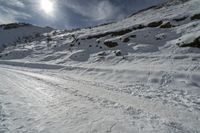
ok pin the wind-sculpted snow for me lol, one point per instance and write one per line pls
(140, 74)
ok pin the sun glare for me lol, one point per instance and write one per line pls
(47, 6)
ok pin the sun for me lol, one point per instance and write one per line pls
(47, 6)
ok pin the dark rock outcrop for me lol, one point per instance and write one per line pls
(155, 24)
(111, 44)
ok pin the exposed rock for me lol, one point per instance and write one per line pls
(155, 24)
(102, 53)
(195, 43)
(122, 32)
(48, 39)
(71, 45)
(167, 25)
(196, 16)
(180, 19)
(118, 53)
(114, 33)
(110, 44)
(126, 39)
(141, 26)
(133, 36)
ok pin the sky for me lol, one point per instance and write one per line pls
(68, 14)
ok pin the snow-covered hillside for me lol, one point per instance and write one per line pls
(12, 34)
(140, 74)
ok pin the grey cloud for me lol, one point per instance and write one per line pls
(96, 10)
(9, 14)
(70, 13)
(11, 3)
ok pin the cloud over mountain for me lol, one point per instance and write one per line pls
(70, 13)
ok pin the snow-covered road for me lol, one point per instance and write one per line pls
(48, 102)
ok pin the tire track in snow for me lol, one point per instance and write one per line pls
(34, 108)
(189, 120)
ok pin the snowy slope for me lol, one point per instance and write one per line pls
(11, 34)
(140, 74)
(159, 29)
